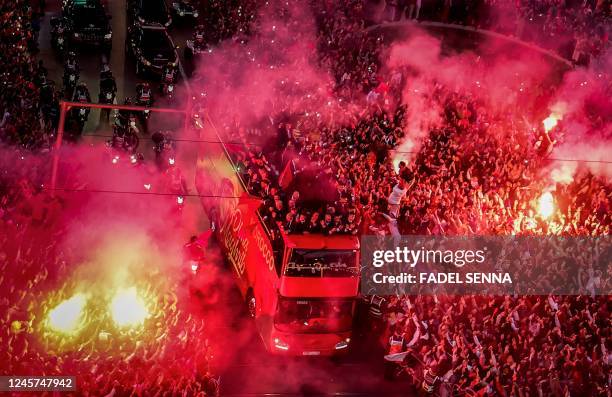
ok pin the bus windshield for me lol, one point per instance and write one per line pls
(322, 263)
(314, 315)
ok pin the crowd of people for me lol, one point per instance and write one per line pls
(26, 93)
(224, 20)
(480, 172)
(505, 345)
(477, 173)
(169, 354)
(577, 30)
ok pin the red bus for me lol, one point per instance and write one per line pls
(301, 289)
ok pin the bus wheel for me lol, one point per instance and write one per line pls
(251, 305)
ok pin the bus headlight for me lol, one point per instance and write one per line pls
(343, 344)
(279, 344)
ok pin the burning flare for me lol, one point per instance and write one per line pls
(68, 315)
(546, 205)
(128, 309)
(551, 121)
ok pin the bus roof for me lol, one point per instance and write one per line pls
(320, 241)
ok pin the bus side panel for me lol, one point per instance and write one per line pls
(242, 237)
(220, 188)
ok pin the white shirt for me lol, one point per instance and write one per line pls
(397, 195)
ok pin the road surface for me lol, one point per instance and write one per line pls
(245, 367)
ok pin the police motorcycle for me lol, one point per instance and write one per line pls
(196, 45)
(45, 85)
(108, 89)
(125, 138)
(198, 110)
(194, 255)
(58, 35)
(122, 117)
(164, 149)
(47, 92)
(197, 271)
(176, 185)
(71, 74)
(144, 97)
(168, 81)
(40, 75)
(125, 131)
(81, 94)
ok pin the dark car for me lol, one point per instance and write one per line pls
(149, 12)
(88, 23)
(152, 47)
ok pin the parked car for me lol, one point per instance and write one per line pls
(184, 8)
(87, 22)
(149, 12)
(152, 48)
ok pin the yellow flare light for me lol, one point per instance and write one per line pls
(68, 315)
(547, 206)
(128, 309)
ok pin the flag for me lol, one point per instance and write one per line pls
(286, 176)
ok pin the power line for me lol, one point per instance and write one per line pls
(148, 138)
(148, 193)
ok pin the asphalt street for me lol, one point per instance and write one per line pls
(97, 130)
(245, 367)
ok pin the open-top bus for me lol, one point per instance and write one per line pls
(300, 288)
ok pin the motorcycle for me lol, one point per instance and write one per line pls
(194, 256)
(144, 98)
(167, 85)
(81, 114)
(106, 96)
(193, 48)
(58, 36)
(47, 91)
(177, 186)
(169, 91)
(164, 150)
(71, 77)
(198, 109)
(125, 138)
(118, 156)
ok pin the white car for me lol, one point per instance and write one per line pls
(184, 9)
